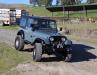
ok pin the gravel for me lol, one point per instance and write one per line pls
(84, 60)
(7, 36)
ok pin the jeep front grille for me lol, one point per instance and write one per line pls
(57, 39)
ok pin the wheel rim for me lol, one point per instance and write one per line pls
(22, 35)
(34, 53)
(17, 43)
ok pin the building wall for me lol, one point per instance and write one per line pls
(5, 15)
(18, 13)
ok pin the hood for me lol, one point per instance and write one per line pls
(48, 33)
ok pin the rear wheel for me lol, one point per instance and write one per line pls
(19, 43)
(37, 52)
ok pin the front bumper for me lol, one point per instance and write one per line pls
(61, 44)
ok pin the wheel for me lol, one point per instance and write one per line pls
(19, 43)
(68, 55)
(37, 52)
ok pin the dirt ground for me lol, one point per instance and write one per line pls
(84, 60)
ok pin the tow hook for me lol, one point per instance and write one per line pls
(60, 45)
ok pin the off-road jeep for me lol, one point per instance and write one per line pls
(42, 33)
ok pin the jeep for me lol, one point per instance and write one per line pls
(43, 35)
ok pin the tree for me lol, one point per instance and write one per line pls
(67, 2)
(34, 2)
(58, 2)
(91, 1)
(70, 2)
(44, 2)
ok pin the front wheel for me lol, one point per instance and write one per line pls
(68, 55)
(19, 43)
(37, 52)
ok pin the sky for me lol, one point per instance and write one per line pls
(24, 1)
(15, 1)
(83, 1)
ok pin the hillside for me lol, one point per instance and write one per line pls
(41, 11)
(18, 6)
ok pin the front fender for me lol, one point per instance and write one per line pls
(21, 32)
(68, 42)
(45, 40)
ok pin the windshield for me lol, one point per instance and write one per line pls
(48, 24)
(42, 24)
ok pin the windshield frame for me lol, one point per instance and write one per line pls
(37, 22)
(47, 24)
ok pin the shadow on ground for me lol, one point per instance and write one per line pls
(51, 59)
(80, 53)
(27, 50)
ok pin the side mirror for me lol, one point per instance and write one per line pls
(61, 28)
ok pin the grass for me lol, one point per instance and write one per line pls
(83, 39)
(38, 11)
(10, 27)
(79, 31)
(80, 26)
(42, 11)
(92, 13)
(10, 58)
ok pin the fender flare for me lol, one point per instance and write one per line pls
(21, 32)
(38, 40)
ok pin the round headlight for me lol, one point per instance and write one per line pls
(51, 39)
(63, 39)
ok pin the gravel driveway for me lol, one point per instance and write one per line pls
(7, 36)
(84, 60)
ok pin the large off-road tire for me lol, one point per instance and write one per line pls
(68, 55)
(37, 52)
(19, 43)
(65, 55)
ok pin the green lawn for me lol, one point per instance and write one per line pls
(10, 58)
(10, 27)
(38, 11)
